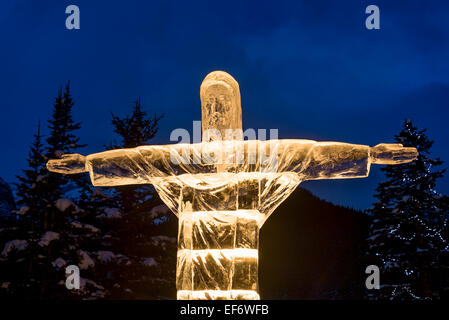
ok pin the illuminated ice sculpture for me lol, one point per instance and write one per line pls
(224, 188)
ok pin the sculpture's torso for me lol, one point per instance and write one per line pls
(220, 216)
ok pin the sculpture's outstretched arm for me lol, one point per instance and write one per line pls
(109, 168)
(335, 160)
(141, 165)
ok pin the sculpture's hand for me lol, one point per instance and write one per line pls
(392, 153)
(68, 164)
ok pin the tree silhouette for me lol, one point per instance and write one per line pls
(409, 234)
(147, 230)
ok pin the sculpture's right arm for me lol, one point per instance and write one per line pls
(117, 167)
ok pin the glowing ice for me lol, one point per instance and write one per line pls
(223, 189)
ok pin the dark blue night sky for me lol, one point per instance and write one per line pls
(309, 68)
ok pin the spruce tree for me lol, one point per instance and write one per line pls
(18, 261)
(145, 234)
(74, 223)
(51, 231)
(62, 138)
(32, 184)
(408, 237)
(135, 130)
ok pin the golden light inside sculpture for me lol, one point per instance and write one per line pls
(224, 188)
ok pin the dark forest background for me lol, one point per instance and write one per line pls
(124, 239)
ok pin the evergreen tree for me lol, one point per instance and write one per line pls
(122, 240)
(145, 234)
(19, 239)
(408, 237)
(72, 223)
(33, 183)
(135, 130)
(62, 139)
(51, 231)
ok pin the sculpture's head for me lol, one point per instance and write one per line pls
(220, 107)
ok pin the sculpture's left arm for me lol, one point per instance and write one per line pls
(335, 160)
(115, 167)
(141, 165)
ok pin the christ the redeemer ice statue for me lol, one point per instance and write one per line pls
(224, 188)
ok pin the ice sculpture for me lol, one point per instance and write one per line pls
(224, 188)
